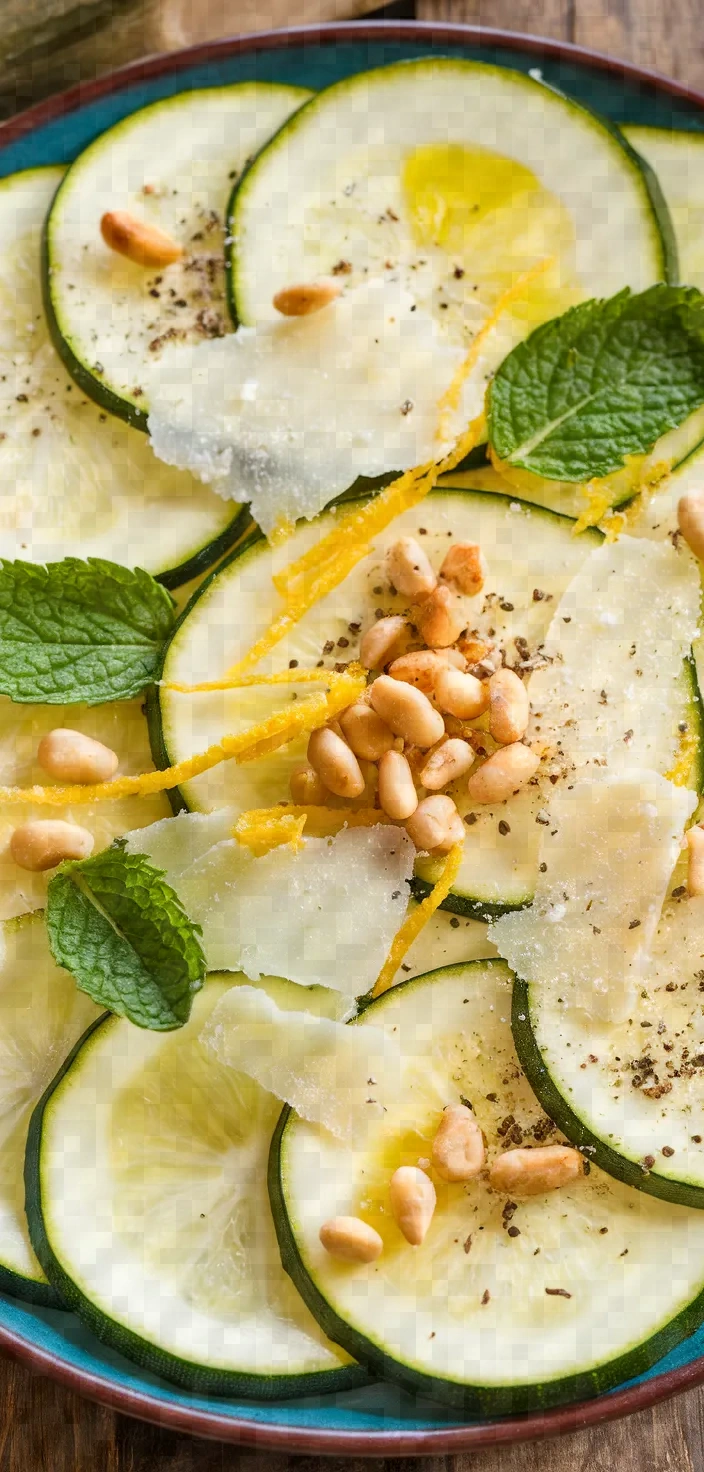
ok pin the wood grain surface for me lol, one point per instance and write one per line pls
(44, 1428)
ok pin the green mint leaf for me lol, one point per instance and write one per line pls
(601, 383)
(77, 632)
(122, 932)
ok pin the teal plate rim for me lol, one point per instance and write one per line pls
(378, 1421)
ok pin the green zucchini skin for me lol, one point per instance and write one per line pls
(157, 1361)
(459, 904)
(208, 555)
(573, 1127)
(475, 1400)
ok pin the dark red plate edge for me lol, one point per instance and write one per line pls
(259, 1435)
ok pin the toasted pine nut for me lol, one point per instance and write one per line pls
(695, 862)
(503, 774)
(351, 1239)
(509, 707)
(73, 757)
(461, 695)
(407, 711)
(397, 793)
(44, 842)
(535, 1172)
(306, 297)
(365, 732)
(379, 641)
(465, 566)
(144, 244)
(458, 1147)
(409, 570)
(440, 619)
(412, 1202)
(436, 825)
(422, 666)
(306, 787)
(446, 763)
(336, 766)
(690, 520)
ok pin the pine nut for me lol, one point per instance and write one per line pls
(306, 297)
(412, 1202)
(422, 666)
(458, 1147)
(407, 711)
(695, 862)
(446, 763)
(73, 757)
(409, 570)
(690, 520)
(435, 826)
(306, 787)
(336, 766)
(460, 695)
(144, 244)
(503, 774)
(365, 732)
(379, 641)
(509, 707)
(397, 793)
(465, 566)
(535, 1172)
(440, 620)
(44, 842)
(351, 1239)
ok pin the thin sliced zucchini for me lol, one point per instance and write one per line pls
(463, 165)
(527, 549)
(678, 161)
(43, 1014)
(146, 1202)
(119, 725)
(630, 1091)
(170, 165)
(72, 479)
(506, 1306)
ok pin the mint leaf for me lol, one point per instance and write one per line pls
(77, 632)
(122, 932)
(602, 382)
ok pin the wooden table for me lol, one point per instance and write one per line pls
(46, 1429)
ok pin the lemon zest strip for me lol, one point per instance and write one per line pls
(304, 582)
(417, 920)
(262, 829)
(281, 727)
(450, 400)
(280, 677)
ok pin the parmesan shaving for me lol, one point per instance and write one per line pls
(261, 829)
(418, 918)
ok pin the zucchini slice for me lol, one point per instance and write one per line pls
(43, 1015)
(527, 549)
(678, 160)
(119, 725)
(72, 479)
(629, 1091)
(398, 168)
(171, 165)
(593, 1284)
(146, 1200)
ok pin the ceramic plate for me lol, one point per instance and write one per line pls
(380, 1421)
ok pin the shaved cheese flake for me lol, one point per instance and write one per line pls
(263, 825)
(297, 915)
(614, 689)
(418, 918)
(256, 741)
(606, 860)
(331, 1074)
